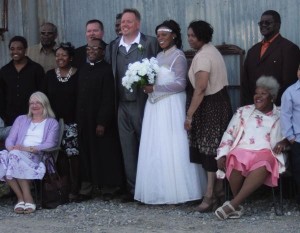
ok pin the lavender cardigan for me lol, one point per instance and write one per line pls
(19, 129)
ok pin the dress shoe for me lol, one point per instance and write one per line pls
(82, 197)
(207, 204)
(127, 198)
(107, 196)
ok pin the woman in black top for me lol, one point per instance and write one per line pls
(61, 89)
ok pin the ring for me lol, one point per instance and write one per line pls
(144, 91)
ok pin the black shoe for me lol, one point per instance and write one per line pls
(127, 198)
(82, 197)
(107, 196)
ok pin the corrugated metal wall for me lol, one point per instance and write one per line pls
(234, 21)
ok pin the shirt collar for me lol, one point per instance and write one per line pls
(42, 49)
(135, 41)
(271, 40)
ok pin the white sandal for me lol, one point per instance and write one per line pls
(237, 213)
(19, 207)
(234, 214)
(29, 208)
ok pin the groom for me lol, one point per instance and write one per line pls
(131, 47)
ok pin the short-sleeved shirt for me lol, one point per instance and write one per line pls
(210, 60)
(46, 60)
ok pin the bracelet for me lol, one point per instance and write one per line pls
(188, 119)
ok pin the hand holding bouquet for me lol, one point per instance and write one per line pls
(140, 73)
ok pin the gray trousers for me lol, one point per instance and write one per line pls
(130, 115)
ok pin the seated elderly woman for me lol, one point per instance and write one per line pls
(251, 148)
(22, 161)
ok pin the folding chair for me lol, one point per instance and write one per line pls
(287, 175)
(51, 152)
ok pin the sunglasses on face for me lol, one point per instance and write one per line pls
(47, 33)
(265, 22)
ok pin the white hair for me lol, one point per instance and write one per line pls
(269, 83)
(42, 98)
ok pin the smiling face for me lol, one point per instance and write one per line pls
(93, 30)
(17, 51)
(165, 38)
(36, 107)
(94, 51)
(263, 100)
(63, 59)
(193, 40)
(130, 25)
(268, 27)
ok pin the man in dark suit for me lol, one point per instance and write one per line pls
(94, 29)
(273, 56)
(125, 50)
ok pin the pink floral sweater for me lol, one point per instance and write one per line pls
(253, 130)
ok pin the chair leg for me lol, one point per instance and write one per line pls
(278, 211)
(41, 194)
(38, 193)
(227, 190)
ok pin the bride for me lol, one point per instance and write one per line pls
(165, 174)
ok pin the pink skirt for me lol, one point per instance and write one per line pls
(249, 160)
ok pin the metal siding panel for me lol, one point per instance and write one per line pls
(234, 21)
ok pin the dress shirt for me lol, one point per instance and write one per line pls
(290, 112)
(127, 46)
(265, 44)
(38, 54)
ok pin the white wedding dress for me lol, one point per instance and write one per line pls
(165, 174)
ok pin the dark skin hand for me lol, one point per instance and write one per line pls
(280, 147)
(148, 89)
(100, 130)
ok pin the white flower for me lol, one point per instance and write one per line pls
(140, 47)
(140, 73)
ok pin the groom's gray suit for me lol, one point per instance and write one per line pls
(130, 104)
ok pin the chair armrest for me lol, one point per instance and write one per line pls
(52, 149)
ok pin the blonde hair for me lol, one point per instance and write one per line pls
(42, 98)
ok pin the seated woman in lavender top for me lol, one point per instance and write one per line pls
(22, 162)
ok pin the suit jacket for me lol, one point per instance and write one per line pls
(79, 57)
(150, 49)
(281, 60)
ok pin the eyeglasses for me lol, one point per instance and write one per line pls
(92, 48)
(47, 33)
(35, 103)
(265, 22)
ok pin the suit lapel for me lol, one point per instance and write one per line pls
(271, 48)
(114, 54)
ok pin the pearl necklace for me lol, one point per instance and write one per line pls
(61, 79)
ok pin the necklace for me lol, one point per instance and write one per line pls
(65, 79)
(34, 125)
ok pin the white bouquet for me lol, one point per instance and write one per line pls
(140, 73)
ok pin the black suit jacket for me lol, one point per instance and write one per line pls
(281, 60)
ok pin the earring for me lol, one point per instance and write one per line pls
(173, 38)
